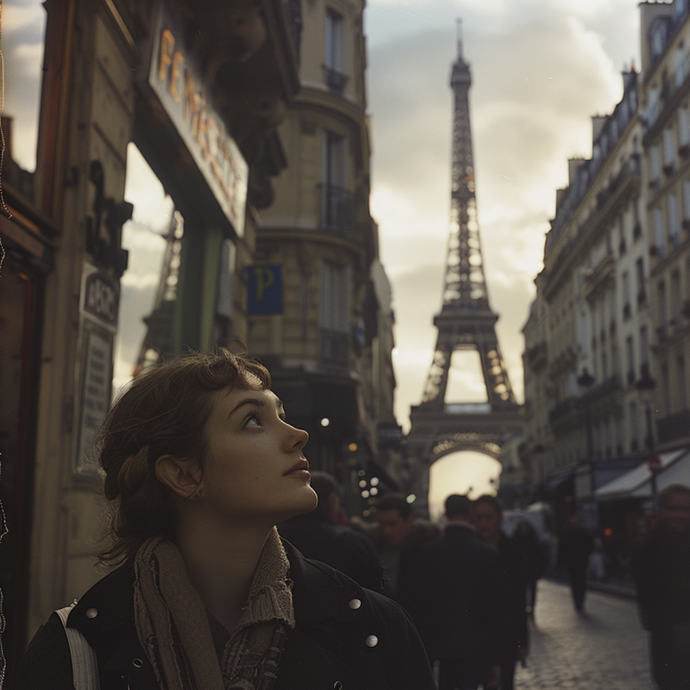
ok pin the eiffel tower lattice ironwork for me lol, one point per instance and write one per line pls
(465, 322)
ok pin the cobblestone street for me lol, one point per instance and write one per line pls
(604, 648)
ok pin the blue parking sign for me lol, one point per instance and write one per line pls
(264, 289)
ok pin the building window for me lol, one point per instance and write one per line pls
(669, 150)
(659, 234)
(680, 65)
(625, 279)
(654, 165)
(686, 199)
(644, 352)
(682, 384)
(673, 220)
(334, 313)
(674, 297)
(630, 358)
(684, 127)
(663, 312)
(336, 201)
(334, 58)
(639, 275)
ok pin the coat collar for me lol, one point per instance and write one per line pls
(320, 594)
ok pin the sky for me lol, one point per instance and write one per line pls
(540, 68)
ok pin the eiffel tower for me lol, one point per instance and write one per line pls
(465, 322)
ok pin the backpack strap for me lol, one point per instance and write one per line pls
(84, 661)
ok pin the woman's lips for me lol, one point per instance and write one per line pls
(299, 470)
(299, 474)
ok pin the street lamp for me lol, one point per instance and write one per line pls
(585, 380)
(646, 386)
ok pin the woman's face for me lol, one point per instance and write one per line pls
(254, 468)
(487, 522)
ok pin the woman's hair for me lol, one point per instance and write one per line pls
(163, 412)
(492, 501)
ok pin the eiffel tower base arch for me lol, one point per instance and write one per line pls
(435, 434)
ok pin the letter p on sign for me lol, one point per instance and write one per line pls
(264, 289)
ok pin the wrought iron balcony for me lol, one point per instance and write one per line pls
(336, 211)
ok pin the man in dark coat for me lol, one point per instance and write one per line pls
(397, 535)
(317, 536)
(661, 567)
(452, 592)
(575, 546)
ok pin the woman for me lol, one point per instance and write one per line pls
(199, 466)
(488, 516)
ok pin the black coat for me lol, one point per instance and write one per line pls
(661, 567)
(453, 594)
(575, 546)
(513, 607)
(327, 646)
(340, 547)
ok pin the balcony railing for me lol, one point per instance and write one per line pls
(335, 348)
(337, 211)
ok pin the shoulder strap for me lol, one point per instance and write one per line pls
(84, 661)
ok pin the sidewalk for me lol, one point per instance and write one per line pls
(620, 588)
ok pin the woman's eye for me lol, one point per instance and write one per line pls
(252, 422)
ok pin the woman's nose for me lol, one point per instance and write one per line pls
(297, 438)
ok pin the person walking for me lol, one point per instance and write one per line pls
(661, 568)
(199, 465)
(453, 595)
(318, 536)
(574, 549)
(535, 555)
(397, 535)
(514, 641)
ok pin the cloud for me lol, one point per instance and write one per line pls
(22, 46)
(540, 72)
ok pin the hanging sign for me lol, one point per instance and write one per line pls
(176, 81)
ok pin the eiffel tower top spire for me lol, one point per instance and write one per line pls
(459, 37)
(464, 283)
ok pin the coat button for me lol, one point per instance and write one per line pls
(372, 641)
(354, 605)
(91, 613)
(137, 663)
(337, 685)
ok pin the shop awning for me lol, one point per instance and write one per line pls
(675, 468)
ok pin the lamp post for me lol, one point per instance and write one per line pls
(646, 386)
(585, 381)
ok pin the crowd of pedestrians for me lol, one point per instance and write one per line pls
(466, 586)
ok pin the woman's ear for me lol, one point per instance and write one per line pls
(182, 477)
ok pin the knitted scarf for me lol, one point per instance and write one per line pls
(174, 631)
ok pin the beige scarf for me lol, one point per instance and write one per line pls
(174, 631)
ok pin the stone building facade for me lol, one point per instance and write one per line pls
(581, 338)
(322, 318)
(606, 342)
(200, 88)
(665, 104)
